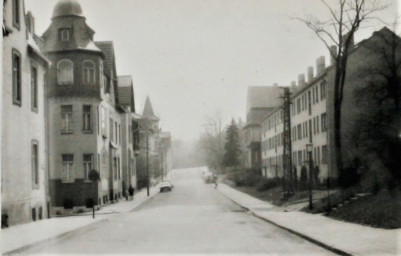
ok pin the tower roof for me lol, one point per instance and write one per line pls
(67, 8)
(148, 111)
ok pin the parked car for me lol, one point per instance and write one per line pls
(166, 186)
(208, 178)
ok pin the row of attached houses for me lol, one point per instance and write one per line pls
(312, 113)
(65, 113)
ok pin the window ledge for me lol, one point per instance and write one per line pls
(17, 103)
(66, 132)
(87, 131)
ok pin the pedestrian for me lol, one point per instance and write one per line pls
(215, 181)
(131, 191)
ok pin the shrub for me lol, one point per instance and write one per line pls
(245, 177)
(348, 177)
(266, 184)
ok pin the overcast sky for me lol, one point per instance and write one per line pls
(194, 58)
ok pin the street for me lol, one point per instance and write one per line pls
(194, 218)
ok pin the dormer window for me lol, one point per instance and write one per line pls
(65, 72)
(89, 72)
(64, 34)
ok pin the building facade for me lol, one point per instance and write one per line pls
(261, 100)
(84, 114)
(24, 187)
(312, 111)
(308, 115)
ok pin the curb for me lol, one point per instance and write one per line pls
(308, 238)
(57, 237)
(76, 231)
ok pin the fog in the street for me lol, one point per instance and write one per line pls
(194, 218)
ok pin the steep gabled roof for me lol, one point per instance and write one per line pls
(126, 92)
(263, 97)
(109, 62)
(109, 65)
(148, 111)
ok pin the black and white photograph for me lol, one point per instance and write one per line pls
(201, 127)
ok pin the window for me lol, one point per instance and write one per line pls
(88, 165)
(116, 132)
(324, 155)
(309, 102)
(313, 97)
(299, 157)
(103, 114)
(35, 164)
(16, 13)
(299, 132)
(40, 213)
(323, 90)
(298, 105)
(65, 72)
(34, 89)
(87, 118)
(88, 72)
(16, 62)
(317, 124)
(324, 124)
(101, 75)
(317, 93)
(68, 167)
(111, 130)
(66, 119)
(115, 167)
(64, 34)
(314, 125)
(33, 214)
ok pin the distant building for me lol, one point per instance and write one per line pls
(148, 167)
(308, 125)
(261, 100)
(312, 112)
(165, 154)
(129, 130)
(24, 187)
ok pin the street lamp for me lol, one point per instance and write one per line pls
(147, 162)
(309, 148)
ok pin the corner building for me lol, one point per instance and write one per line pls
(24, 187)
(84, 118)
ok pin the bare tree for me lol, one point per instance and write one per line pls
(211, 142)
(345, 18)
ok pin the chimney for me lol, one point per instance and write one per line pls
(293, 86)
(310, 74)
(30, 22)
(333, 54)
(320, 65)
(301, 79)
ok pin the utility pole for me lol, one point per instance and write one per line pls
(147, 162)
(287, 151)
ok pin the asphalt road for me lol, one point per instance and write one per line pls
(192, 219)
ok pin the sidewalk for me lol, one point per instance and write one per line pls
(341, 237)
(17, 238)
